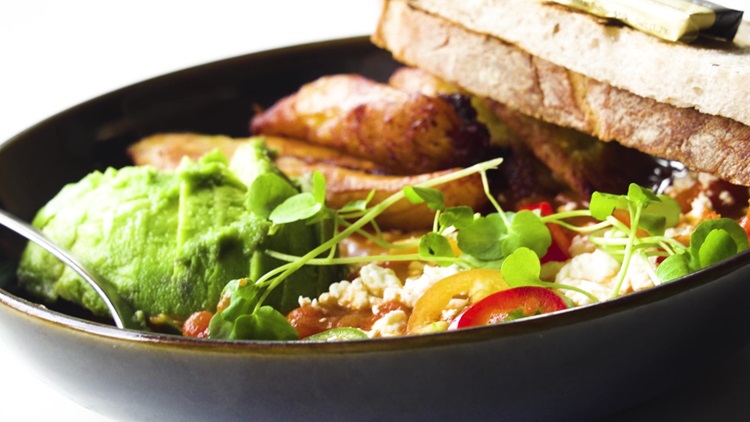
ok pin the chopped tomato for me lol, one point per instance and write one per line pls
(558, 250)
(197, 324)
(745, 222)
(474, 284)
(309, 321)
(510, 304)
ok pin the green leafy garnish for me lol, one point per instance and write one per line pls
(298, 207)
(656, 212)
(490, 239)
(644, 210)
(523, 268)
(433, 246)
(527, 230)
(241, 320)
(267, 192)
(481, 238)
(629, 224)
(711, 242)
(421, 195)
(457, 217)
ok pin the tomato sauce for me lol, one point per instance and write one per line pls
(308, 320)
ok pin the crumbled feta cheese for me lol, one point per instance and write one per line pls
(681, 184)
(568, 206)
(414, 287)
(596, 272)
(302, 300)
(726, 197)
(454, 307)
(699, 207)
(376, 285)
(363, 292)
(389, 325)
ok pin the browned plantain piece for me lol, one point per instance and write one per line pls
(412, 79)
(409, 133)
(345, 183)
(344, 186)
(164, 151)
(311, 154)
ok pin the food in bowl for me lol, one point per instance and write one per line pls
(564, 244)
(235, 248)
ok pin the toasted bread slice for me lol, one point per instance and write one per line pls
(492, 68)
(711, 76)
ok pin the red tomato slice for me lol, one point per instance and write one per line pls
(476, 284)
(510, 304)
(558, 250)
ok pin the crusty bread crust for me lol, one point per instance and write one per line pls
(536, 87)
(713, 77)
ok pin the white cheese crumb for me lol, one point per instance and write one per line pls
(726, 198)
(596, 272)
(389, 325)
(414, 287)
(699, 207)
(365, 291)
(454, 307)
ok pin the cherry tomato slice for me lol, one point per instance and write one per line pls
(197, 324)
(510, 304)
(745, 222)
(476, 284)
(558, 250)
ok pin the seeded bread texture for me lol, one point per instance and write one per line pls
(492, 68)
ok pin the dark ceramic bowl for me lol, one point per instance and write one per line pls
(585, 363)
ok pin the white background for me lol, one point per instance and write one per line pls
(55, 54)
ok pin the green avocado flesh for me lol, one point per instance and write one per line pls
(169, 241)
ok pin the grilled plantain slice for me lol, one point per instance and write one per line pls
(407, 132)
(345, 185)
(164, 151)
(412, 79)
(348, 178)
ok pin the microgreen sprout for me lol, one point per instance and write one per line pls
(514, 242)
(627, 225)
(420, 192)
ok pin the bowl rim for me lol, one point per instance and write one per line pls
(527, 326)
